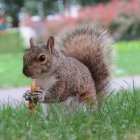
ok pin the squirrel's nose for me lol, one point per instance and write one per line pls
(26, 71)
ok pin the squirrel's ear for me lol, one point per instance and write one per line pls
(50, 44)
(32, 43)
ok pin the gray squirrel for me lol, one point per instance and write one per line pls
(76, 65)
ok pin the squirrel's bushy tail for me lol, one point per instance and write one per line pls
(90, 45)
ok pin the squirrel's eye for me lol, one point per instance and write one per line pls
(42, 58)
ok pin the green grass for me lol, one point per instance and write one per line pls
(11, 71)
(117, 118)
(11, 53)
(127, 58)
(11, 41)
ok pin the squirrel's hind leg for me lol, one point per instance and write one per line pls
(89, 97)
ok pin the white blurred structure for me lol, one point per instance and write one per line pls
(27, 32)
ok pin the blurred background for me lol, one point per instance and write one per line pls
(21, 19)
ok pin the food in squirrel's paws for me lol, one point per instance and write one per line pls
(33, 103)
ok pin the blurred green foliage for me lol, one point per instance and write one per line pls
(125, 27)
(91, 2)
(52, 6)
(12, 9)
(49, 6)
(31, 6)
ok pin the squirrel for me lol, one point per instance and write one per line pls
(76, 65)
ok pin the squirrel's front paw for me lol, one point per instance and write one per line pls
(37, 96)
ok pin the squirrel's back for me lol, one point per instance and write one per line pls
(90, 45)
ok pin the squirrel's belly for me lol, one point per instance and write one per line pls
(46, 82)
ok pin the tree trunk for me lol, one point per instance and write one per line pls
(15, 22)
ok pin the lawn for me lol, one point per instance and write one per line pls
(117, 118)
(11, 53)
(11, 41)
(11, 70)
(126, 57)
